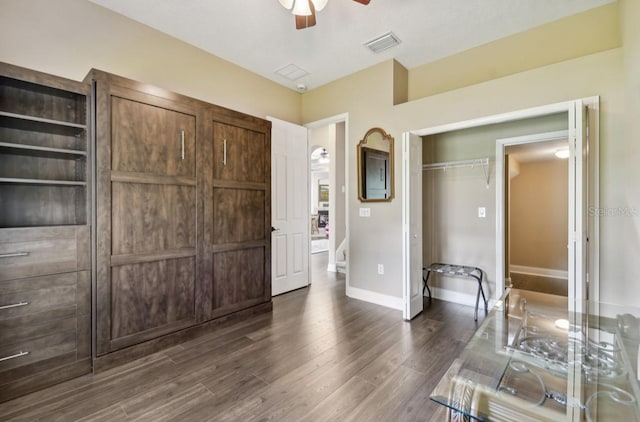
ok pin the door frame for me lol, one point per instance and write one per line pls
(592, 287)
(338, 118)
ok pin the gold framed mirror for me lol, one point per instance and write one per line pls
(375, 167)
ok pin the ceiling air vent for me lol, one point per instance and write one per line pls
(383, 42)
(292, 72)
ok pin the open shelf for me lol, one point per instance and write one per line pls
(42, 182)
(37, 100)
(39, 224)
(39, 124)
(33, 150)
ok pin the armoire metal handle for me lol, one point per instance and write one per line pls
(17, 355)
(14, 305)
(182, 144)
(224, 152)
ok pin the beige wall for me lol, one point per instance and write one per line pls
(539, 215)
(374, 240)
(575, 36)
(69, 37)
(379, 239)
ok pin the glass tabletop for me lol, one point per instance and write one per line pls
(533, 359)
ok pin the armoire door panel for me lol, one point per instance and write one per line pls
(238, 153)
(151, 139)
(150, 218)
(238, 215)
(151, 295)
(238, 277)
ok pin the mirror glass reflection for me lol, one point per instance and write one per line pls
(375, 166)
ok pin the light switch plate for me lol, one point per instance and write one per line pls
(482, 212)
(365, 212)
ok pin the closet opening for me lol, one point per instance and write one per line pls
(455, 212)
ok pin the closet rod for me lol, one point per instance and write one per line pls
(459, 163)
(484, 162)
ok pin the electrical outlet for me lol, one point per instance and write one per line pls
(380, 269)
(482, 212)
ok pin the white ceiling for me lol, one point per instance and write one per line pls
(260, 35)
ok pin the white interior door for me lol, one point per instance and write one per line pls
(412, 224)
(289, 207)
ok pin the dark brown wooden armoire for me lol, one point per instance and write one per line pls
(131, 218)
(183, 216)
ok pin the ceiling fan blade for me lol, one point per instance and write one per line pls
(365, 2)
(303, 22)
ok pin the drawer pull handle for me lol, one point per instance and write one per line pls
(17, 355)
(14, 305)
(14, 254)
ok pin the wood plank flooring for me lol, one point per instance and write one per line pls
(319, 356)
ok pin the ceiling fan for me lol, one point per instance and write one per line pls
(305, 10)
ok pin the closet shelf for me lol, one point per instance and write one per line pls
(476, 162)
(33, 150)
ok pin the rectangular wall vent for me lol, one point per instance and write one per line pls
(292, 72)
(383, 42)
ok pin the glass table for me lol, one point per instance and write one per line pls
(533, 359)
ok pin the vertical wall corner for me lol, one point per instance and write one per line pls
(400, 83)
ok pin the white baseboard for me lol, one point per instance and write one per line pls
(544, 272)
(377, 298)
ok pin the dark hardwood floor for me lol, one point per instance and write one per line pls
(319, 356)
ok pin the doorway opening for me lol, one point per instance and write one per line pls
(320, 190)
(327, 193)
(536, 210)
(291, 221)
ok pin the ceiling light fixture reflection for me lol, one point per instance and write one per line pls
(324, 156)
(562, 323)
(562, 153)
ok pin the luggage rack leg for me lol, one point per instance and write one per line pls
(480, 291)
(425, 280)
